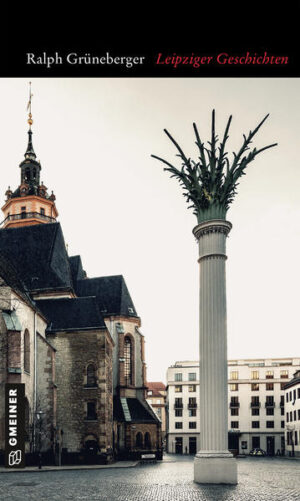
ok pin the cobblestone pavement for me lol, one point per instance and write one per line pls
(260, 479)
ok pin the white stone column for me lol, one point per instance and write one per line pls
(213, 463)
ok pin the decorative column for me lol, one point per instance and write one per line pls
(213, 463)
(209, 186)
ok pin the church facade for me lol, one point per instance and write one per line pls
(74, 341)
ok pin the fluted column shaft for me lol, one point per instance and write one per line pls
(211, 236)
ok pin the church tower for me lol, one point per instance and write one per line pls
(30, 203)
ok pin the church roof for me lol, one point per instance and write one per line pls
(39, 254)
(10, 276)
(111, 293)
(136, 411)
(76, 268)
(71, 314)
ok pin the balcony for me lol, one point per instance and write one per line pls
(270, 404)
(28, 215)
(255, 404)
(234, 404)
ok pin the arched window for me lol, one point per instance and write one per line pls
(139, 440)
(147, 440)
(26, 351)
(91, 375)
(128, 372)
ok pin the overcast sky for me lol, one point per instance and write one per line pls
(123, 214)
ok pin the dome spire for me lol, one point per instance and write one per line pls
(30, 151)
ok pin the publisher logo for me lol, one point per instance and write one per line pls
(14, 457)
(14, 425)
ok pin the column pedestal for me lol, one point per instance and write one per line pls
(213, 463)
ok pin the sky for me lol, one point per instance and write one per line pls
(124, 215)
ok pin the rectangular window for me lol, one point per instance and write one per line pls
(296, 437)
(91, 411)
(42, 211)
(192, 388)
(284, 374)
(270, 424)
(269, 374)
(192, 402)
(192, 376)
(298, 394)
(178, 403)
(294, 394)
(255, 411)
(291, 416)
(282, 424)
(178, 388)
(254, 374)
(178, 376)
(255, 424)
(234, 387)
(298, 414)
(295, 416)
(234, 424)
(234, 375)
(287, 397)
(178, 425)
(192, 412)
(269, 400)
(178, 412)
(269, 386)
(192, 425)
(255, 402)
(254, 387)
(282, 411)
(287, 417)
(270, 411)
(234, 411)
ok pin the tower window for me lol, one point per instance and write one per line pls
(91, 375)
(26, 351)
(42, 211)
(128, 352)
(91, 411)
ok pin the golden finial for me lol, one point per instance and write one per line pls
(29, 121)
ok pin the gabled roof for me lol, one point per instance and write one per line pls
(39, 254)
(111, 294)
(71, 314)
(158, 386)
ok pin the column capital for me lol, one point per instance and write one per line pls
(212, 226)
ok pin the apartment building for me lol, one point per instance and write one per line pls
(292, 415)
(256, 405)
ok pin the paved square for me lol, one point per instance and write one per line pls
(260, 479)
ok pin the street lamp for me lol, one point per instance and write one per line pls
(39, 421)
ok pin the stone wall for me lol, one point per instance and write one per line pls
(75, 351)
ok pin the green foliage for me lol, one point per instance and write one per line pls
(210, 183)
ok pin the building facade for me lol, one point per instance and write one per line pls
(256, 397)
(156, 396)
(292, 415)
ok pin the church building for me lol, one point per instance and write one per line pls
(74, 341)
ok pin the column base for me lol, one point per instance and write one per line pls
(214, 468)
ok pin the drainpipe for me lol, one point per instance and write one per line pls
(34, 380)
